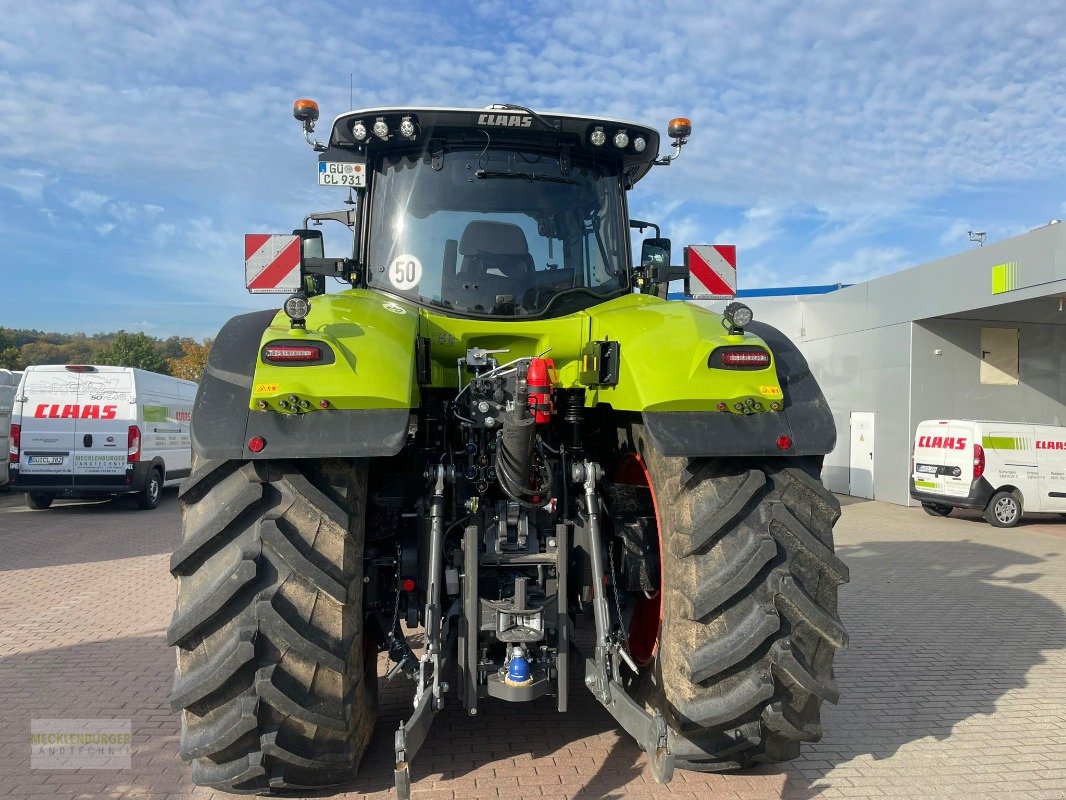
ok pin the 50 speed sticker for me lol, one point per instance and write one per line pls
(405, 272)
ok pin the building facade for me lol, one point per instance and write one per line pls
(978, 335)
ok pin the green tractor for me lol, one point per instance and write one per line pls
(499, 459)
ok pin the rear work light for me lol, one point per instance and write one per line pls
(14, 445)
(978, 461)
(292, 353)
(133, 445)
(745, 358)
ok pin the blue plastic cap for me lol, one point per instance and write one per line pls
(518, 671)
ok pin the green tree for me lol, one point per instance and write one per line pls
(43, 353)
(190, 364)
(10, 358)
(133, 350)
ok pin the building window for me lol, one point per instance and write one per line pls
(999, 356)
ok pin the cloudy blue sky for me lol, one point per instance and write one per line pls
(834, 141)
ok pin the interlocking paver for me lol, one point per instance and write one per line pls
(953, 686)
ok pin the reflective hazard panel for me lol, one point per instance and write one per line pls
(712, 270)
(271, 263)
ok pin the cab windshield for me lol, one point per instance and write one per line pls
(494, 232)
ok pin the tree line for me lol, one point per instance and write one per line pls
(180, 356)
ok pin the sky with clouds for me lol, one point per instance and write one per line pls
(833, 141)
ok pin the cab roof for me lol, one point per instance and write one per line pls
(436, 128)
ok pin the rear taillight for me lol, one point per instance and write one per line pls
(744, 358)
(291, 353)
(14, 445)
(978, 461)
(133, 445)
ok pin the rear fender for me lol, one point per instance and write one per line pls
(223, 420)
(805, 418)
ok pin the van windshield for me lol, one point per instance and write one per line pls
(497, 232)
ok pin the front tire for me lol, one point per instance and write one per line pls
(275, 684)
(1004, 510)
(749, 614)
(38, 502)
(937, 509)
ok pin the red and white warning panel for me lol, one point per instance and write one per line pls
(271, 263)
(712, 270)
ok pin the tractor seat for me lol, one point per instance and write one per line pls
(496, 263)
(495, 249)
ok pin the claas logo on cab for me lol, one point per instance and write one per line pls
(75, 411)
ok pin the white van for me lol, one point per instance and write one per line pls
(1000, 468)
(8, 383)
(93, 431)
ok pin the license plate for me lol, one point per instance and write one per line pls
(45, 459)
(341, 173)
(929, 469)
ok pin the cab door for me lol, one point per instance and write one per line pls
(101, 437)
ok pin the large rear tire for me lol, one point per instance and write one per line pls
(749, 613)
(275, 684)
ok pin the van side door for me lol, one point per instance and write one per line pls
(1051, 457)
(1010, 460)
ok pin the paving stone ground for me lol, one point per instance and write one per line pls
(954, 685)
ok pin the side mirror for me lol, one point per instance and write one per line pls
(655, 257)
(311, 247)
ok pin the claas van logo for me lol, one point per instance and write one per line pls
(1050, 445)
(75, 411)
(943, 442)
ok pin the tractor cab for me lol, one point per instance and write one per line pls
(499, 212)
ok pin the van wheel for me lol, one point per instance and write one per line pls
(1004, 510)
(936, 509)
(148, 497)
(39, 502)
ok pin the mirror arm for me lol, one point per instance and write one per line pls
(347, 216)
(641, 225)
(337, 267)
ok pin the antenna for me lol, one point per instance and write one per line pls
(351, 91)
(978, 236)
